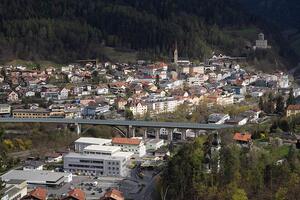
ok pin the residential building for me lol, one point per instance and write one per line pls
(154, 144)
(30, 113)
(5, 109)
(239, 121)
(218, 118)
(293, 110)
(36, 194)
(12, 97)
(133, 145)
(138, 109)
(243, 139)
(64, 94)
(113, 194)
(75, 194)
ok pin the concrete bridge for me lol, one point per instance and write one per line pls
(131, 125)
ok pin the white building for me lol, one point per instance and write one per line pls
(5, 109)
(14, 189)
(83, 142)
(38, 177)
(261, 43)
(133, 145)
(154, 144)
(218, 118)
(138, 109)
(284, 81)
(99, 161)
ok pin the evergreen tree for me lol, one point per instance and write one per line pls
(279, 105)
(291, 98)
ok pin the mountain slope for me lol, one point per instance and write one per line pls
(64, 30)
(281, 13)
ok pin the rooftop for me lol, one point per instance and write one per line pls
(92, 140)
(107, 149)
(38, 193)
(128, 141)
(113, 194)
(116, 156)
(35, 176)
(245, 137)
(294, 107)
(76, 194)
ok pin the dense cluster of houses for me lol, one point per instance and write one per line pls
(99, 89)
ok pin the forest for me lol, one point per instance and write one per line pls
(65, 30)
(259, 173)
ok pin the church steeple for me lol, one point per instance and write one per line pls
(176, 54)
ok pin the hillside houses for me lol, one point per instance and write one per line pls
(94, 90)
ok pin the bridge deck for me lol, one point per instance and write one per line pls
(147, 124)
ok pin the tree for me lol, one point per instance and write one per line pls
(279, 105)
(291, 98)
(157, 81)
(239, 194)
(129, 114)
(281, 194)
(261, 103)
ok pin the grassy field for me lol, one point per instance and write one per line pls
(119, 55)
(32, 64)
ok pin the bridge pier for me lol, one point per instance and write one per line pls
(145, 134)
(170, 135)
(130, 131)
(78, 128)
(157, 133)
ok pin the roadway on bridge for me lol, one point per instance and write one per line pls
(146, 124)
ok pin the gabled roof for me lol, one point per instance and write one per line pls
(76, 194)
(245, 137)
(38, 193)
(129, 141)
(113, 194)
(294, 107)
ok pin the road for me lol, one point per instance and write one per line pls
(146, 124)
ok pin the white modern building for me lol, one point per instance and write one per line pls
(83, 142)
(98, 160)
(133, 145)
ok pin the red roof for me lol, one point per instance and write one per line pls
(294, 107)
(113, 194)
(130, 141)
(76, 194)
(245, 137)
(38, 193)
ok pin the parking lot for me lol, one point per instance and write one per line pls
(133, 187)
(94, 187)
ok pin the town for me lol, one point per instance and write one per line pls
(221, 90)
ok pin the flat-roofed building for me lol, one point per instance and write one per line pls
(101, 150)
(5, 109)
(38, 177)
(133, 145)
(31, 113)
(98, 161)
(154, 144)
(14, 189)
(83, 142)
